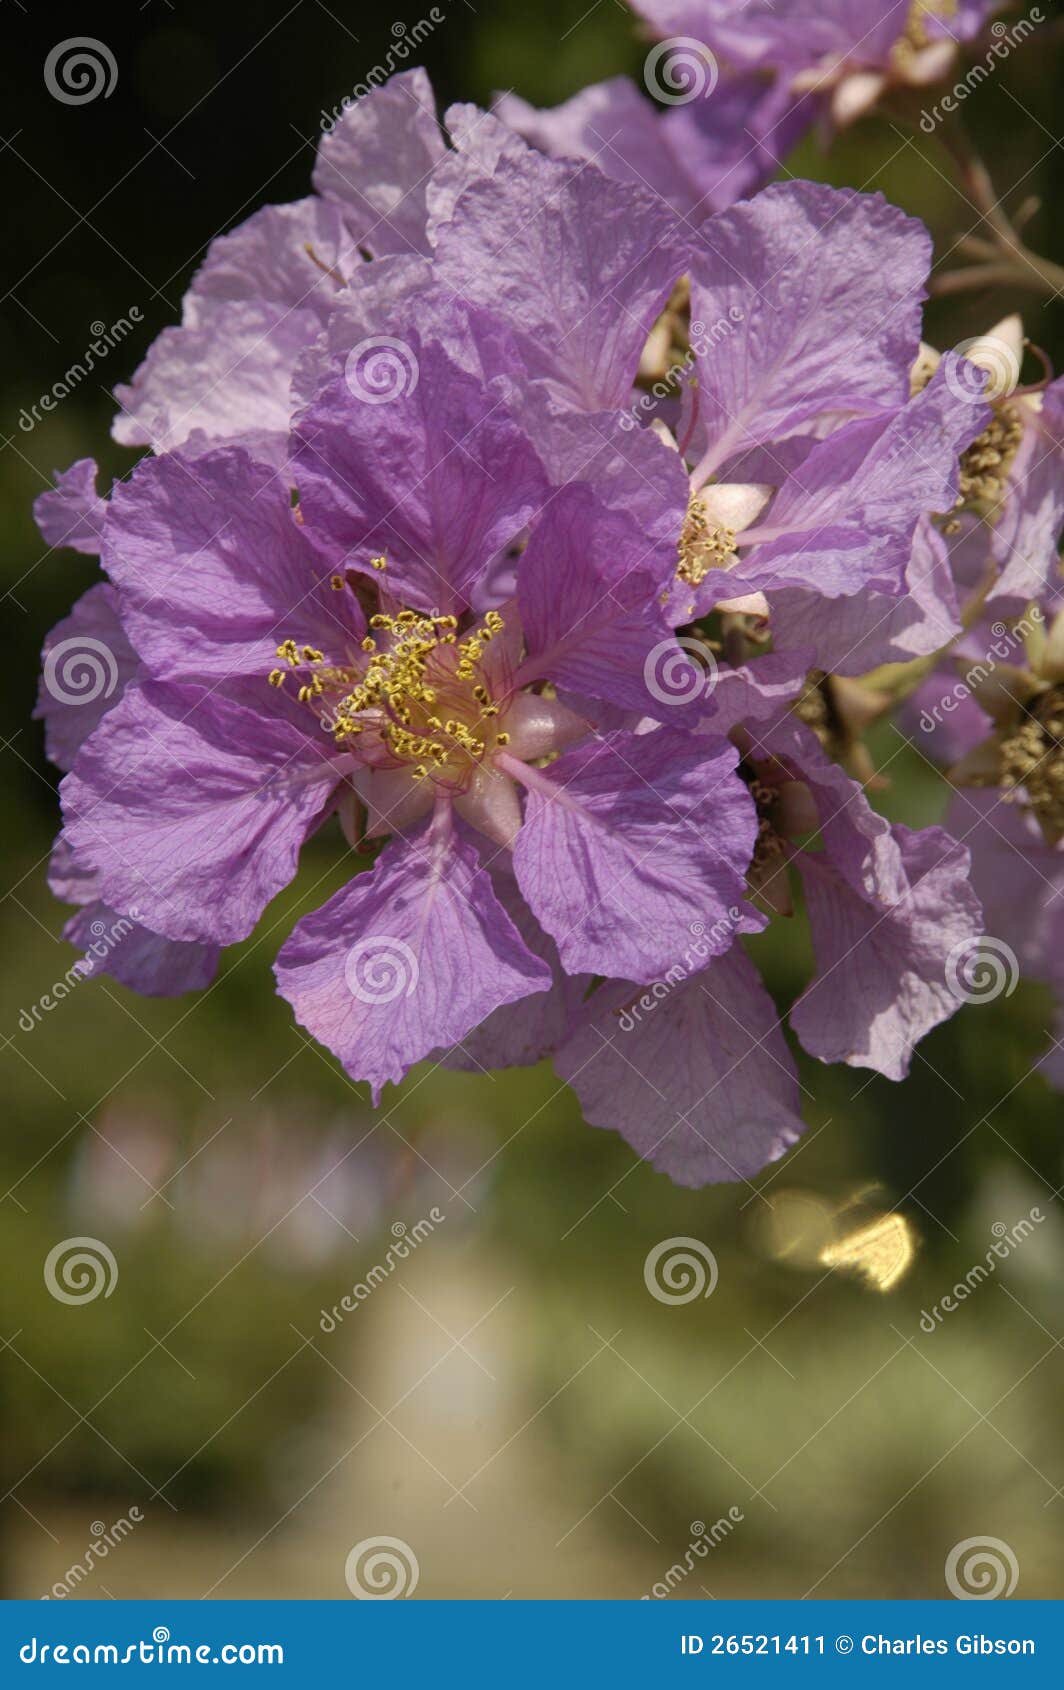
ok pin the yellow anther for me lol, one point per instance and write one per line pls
(277, 677)
(311, 654)
(378, 563)
(337, 583)
(289, 651)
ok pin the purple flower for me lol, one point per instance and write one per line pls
(429, 721)
(844, 53)
(410, 564)
(262, 299)
(721, 144)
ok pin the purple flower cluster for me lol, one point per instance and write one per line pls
(740, 82)
(531, 535)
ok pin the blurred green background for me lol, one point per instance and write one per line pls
(511, 1402)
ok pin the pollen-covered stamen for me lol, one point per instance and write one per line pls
(421, 699)
(1032, 760)
(917, 34)
(786, 810)
(986, 463)
(704, 545)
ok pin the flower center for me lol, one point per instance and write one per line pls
(916, 35)
(985, 464)
(422, 699)
(704, 545)
(1032, 757)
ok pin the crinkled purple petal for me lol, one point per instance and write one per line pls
(589, 589)
(135, 957)
(694, 1072)
(72, 513)
(377, 162)
(883, 979)
(215, 570)
(844, 521)
(229, 376)
(87, 663)
(193, 809)
(851, 636)
(409, 956)
(820, 292)
(578, 265)
(519, 1034)
(437, 478)
(1027, 527)
(632, 842)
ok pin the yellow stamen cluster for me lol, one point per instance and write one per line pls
(770, 845)
(916, 34)
(704, 545)
(401, 694)
(1032, 757)
(815, 707)
(987, 461)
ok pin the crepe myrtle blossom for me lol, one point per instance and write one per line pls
(698, 1077)
(844, 54)
(996, 707)
(262, 298)
(95, 664)
(1012, 475)
(700, 155)
(800, 467)
(283, 677)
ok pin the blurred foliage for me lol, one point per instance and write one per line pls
(216, 112)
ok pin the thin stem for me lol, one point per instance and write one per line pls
(1018, 264)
